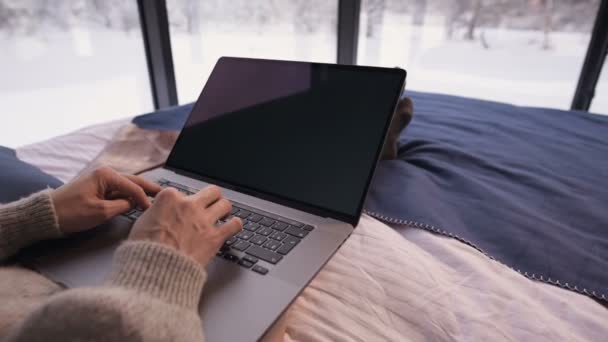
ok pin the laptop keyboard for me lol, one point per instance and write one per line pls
(265, 236)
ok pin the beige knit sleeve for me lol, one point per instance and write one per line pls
(26, 221)
(158, 271)
(152, 295)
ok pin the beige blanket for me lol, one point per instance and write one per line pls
(381, 286)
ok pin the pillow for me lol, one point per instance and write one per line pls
(19, 179)
(168, 119)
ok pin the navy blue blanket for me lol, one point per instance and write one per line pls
(526, 186)
(18, 179)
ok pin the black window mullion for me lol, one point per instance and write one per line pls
(594, 60)
(157, 42)
(348, 30)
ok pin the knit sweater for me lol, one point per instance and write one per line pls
(152, 294)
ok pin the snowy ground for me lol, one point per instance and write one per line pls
(513, 69)
(195, 55)
(68, 80)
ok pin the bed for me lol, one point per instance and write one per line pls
(422, 264)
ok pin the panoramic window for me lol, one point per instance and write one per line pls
(203, 31)
(69, 64)
(525, 52)
(599, 104)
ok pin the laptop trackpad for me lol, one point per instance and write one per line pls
(238, 301)
(82, 260)
(230, 293)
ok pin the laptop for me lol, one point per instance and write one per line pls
(294, 146)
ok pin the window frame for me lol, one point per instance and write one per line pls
(594, 60)
(157, 42)
(159, 57)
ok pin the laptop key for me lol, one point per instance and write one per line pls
(230, 257)
(297, 224)
(296, 232)
(231, 241)
(267, 222)
(244, 235)
(128, 214)
(258, 239)
(272, 245)
(280, 226)
(278, 236)
(251, 226)
(265, 231)
(136, 214)
(308, 227)
(255, 218)
(243, 214)
(291, 240)
(241, 245)
(259, 269)
(245, 263)
(264, 254)
(285, 248)
(233, 210)
(250, 258)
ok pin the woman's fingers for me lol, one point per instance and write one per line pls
(116, 182)
(116, 207)
(149, 187)
(221, 208)
(208, 195)
(230, 228)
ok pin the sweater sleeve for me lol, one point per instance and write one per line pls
(27, 221)
(151, 295)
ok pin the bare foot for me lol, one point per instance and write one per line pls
(402, 117)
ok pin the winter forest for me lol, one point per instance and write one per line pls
(29, 17)
(86, 57)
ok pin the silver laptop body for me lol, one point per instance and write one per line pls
(238, 304)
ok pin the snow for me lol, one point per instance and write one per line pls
(55, 84)
(600, 101)
(515, 69)
(59, 82)
(194, 55)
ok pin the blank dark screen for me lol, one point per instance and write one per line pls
(304, 132)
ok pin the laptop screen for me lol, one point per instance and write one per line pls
(305, 134)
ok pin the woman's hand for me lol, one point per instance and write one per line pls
(95, 197)
(188, 223)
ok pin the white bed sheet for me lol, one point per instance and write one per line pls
(382, 286)
(64, 156)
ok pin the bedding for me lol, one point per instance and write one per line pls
(417, 286)
(527, 186)
(66, 155)
(521, 185)
(19, 179)
(395, 282)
